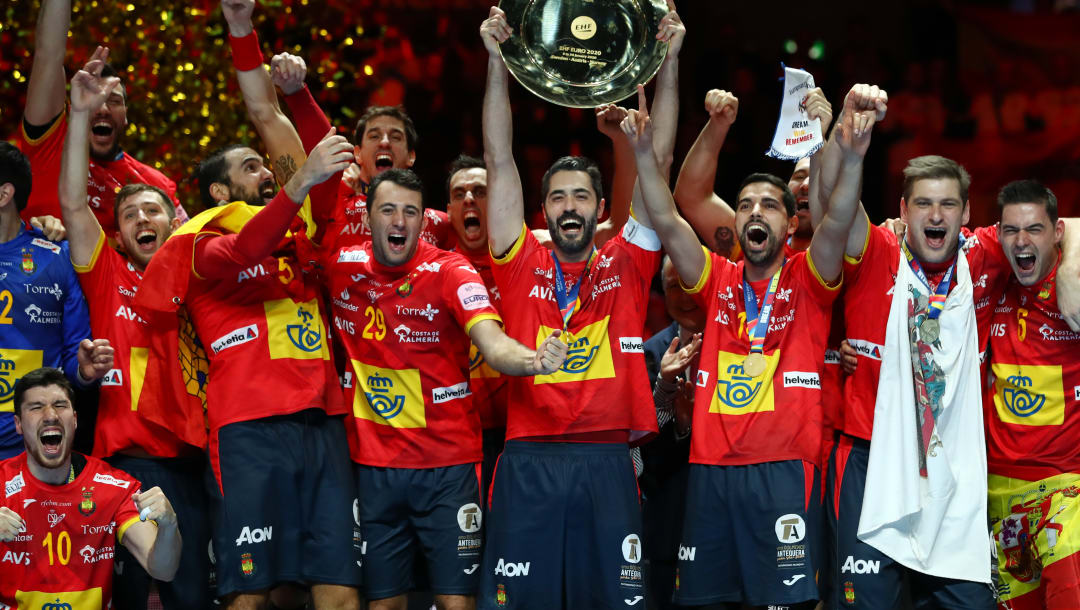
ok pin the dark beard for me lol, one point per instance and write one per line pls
(772, 245)
(575, 246)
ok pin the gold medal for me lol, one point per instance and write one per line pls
(929, 331)
(754, 365)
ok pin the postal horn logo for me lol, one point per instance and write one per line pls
(736, 391)
(302, 335)
(7, 379)
(384, 403)
(1019, 400)
(87, 506)
(579, 356)
(476, 358)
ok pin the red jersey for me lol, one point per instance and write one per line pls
(105, 179)
(405, 330)
(603, 385)
(110, 283)
(488, 385)
(349, 226)
(777, 416)
(1033, 400)
(63, 557)
(870, 282)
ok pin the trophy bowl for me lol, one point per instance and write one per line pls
(583, 53)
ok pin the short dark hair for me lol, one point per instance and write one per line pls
(935, 167)
(787, 196)
(214, 168)
(462, 162)
(402, 177)
(15, 169)
(1029, 191)
(574, 164)
(397, 112)
(134, 189)
(37, 378)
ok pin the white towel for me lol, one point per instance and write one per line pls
(937, 524)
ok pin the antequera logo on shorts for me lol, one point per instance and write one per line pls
(236, 337)
(1029, 395)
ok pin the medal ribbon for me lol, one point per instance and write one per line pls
(568, 300)
(937, 297)
(758, 328)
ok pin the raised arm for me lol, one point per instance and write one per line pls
(665, 112)
(154, 541)
(710, 216)
(675, 233)
(506, 204)
(852, 135)
(509, 357)
(260, 98)
(88, 91)
(45, 93)
(817, 107)
(608, 118)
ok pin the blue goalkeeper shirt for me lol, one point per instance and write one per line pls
(43, 317)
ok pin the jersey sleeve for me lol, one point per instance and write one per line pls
(93, 275)
(76, 322)
(991, 246)
(879, 242)
(644, 246)
(512, 265)
(44, 154)
(127, 513)
(465, 294)
(699, 291)
(822, 291)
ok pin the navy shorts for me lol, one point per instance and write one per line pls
(181, 480)
(433, 512)
(281, 498)
(563, 529)
(752, 534)
(864, 577)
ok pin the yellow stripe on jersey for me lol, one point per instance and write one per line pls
(1029, 395)
(706, 271)
(813, 269)
(89, 599)
(855, 260)
(589, 356)
(89, 266)
(137, 373)
(391, 397)
(296, 330)
(1034, 525)
(739, 394)
(509, 256)
(481, 317)
(14, 363)
(120, 531)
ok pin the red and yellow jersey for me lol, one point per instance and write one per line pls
(488, 385)
(405, 331)
(870, 282)
(349, 226)
(110, 283)
(105, 180)
(602, 386)
(776, 416)
(63, 556)
(1033, 397)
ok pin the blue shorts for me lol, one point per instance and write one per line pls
(752, 534)
(563, 529)
(181, 480)
(433, 512)
(864, 577)
(281, 498)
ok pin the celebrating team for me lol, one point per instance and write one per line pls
(487, 383)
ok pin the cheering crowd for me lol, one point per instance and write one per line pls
(322, 392)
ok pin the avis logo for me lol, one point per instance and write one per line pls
(736, 391)
(579, 356)
(384, 403)
(1019, 400)
(302, 335)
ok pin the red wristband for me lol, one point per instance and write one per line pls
(246, 54)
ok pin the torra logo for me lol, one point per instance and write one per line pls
(385, 404)
(738, 393)
(1029, 395)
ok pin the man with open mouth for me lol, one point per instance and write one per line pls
(44, 127)
(1032, 405)
(111, 278)
(63, 513)
(406, 313)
